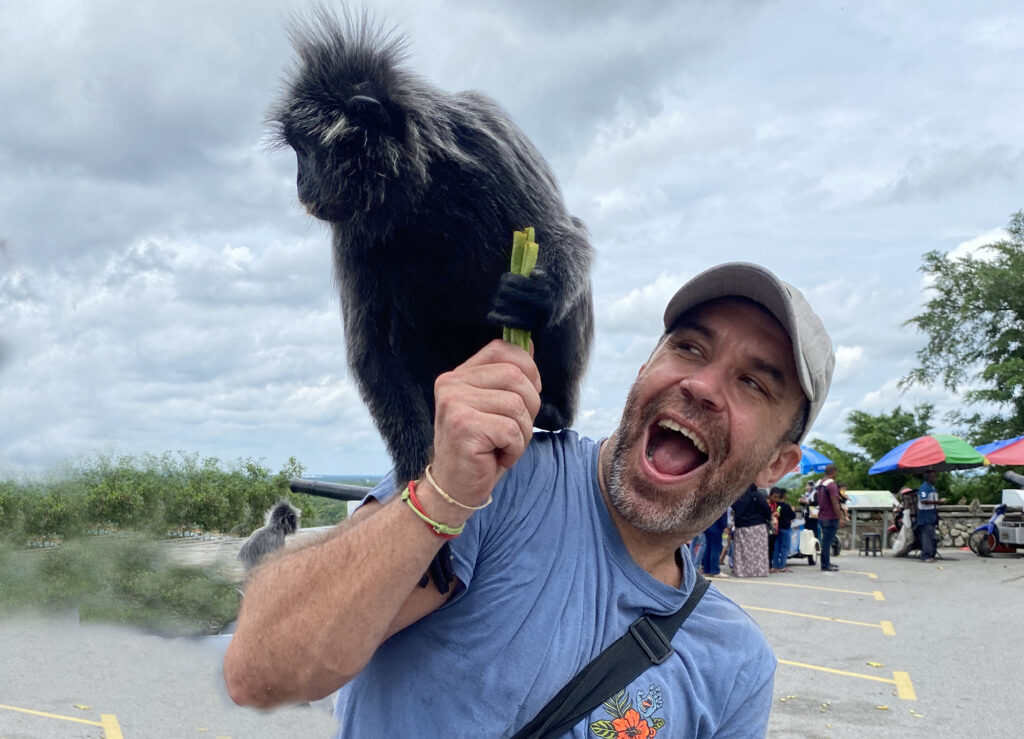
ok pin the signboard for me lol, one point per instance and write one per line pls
(878, 500)
(1013, 497)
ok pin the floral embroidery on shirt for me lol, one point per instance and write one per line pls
(629, 722)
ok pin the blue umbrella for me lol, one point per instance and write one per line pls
(812, 461)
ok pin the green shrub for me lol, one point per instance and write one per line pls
(125, 579)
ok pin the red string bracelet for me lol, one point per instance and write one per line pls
(439, 529)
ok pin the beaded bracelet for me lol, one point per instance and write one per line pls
(439, 529)
(450, 499)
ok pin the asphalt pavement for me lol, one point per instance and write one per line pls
(884, 647)
(893, 647)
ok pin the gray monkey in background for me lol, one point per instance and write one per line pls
(423, 190)
(281, 520)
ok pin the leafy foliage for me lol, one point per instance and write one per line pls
(878, 434)
(975, 327)
(155, 494)
(125, 576)
(874, 435)
(124, 579)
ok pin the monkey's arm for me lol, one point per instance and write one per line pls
(291, 647)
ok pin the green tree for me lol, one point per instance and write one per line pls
(851, 466)
(877, 434)
(975, 327)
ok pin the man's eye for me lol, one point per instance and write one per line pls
(752, 382)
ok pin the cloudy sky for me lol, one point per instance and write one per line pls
(161, 289)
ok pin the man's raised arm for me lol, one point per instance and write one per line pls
(312, 618)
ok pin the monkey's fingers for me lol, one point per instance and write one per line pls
(523, 302)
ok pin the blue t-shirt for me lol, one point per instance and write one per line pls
(927, 497)
(927, 511)
(546, 583)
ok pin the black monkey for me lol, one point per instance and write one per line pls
(423, 190)
(282, 519)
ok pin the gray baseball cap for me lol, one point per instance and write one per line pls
(812, 347)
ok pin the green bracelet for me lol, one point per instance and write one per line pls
(440, 529)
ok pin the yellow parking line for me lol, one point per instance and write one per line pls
(54, 715)
(107, 722)
(904, 688)
(877, 594)
(871, 575)
(885, 626)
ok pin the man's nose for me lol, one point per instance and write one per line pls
(705, 385)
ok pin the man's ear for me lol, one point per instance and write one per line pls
(786, 458)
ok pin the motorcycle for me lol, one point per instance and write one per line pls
(997, 535)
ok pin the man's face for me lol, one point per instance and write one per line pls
(705, 418)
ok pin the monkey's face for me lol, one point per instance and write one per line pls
(347, 143)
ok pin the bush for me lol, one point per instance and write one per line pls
(122, 579)
(153, 494)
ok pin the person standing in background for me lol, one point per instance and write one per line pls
(830, 515)
(809, 500)
(786, 514)
(927, 515)
(751, 514)
(773, 526)
(711, 557)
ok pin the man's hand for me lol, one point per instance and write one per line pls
(484, 416)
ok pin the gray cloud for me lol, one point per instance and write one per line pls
(161, 289)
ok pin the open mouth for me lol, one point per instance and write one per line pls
(672, 450)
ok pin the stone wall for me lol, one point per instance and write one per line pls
(956, 522)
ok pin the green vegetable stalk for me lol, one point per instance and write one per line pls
(524, 259)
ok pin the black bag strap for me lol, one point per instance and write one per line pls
(647, 642)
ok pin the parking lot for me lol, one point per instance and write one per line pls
(893, 647)
(883, 647)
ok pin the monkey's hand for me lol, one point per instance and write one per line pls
(484, 419)
(524, 302)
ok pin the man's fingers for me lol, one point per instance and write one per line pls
(502, 352)
(477, 379)
(466, 409)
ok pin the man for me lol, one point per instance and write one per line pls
(927, 515)
(830, 515)
(581, 539)
(782, 540)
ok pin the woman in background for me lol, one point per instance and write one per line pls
(751, 514)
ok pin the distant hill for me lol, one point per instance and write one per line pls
(365, 480)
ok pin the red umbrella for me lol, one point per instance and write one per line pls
(1005, 452)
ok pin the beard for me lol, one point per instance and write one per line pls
(718, 482)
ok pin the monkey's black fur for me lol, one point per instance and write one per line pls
(423, 190)
(282, 519)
